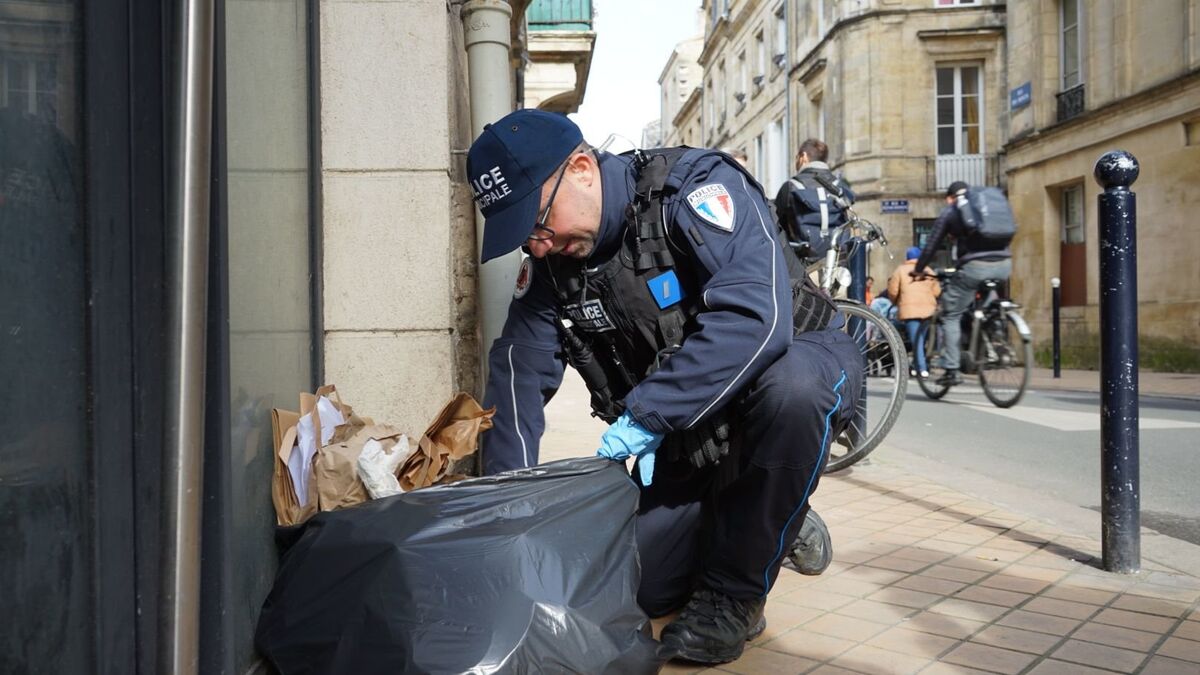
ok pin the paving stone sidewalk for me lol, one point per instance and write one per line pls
(927, 579)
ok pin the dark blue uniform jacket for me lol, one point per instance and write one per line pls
(745, 321)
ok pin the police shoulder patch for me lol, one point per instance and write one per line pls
(713, 203)
(524, 278)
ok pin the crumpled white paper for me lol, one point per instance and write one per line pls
(377, 467)
(300, 461)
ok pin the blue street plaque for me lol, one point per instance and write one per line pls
(894, 206)
(1020, 97)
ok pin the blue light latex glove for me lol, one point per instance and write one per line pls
(626, 438)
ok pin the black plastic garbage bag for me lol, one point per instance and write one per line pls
(531, 571)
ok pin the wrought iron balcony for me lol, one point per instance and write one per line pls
(975, 169)
(575, 15)
(1070, 103)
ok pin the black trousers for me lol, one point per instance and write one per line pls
(729, 526)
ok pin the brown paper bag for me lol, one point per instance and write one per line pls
(454, 434)
(283, 493)
(336, 465)
(284, 433)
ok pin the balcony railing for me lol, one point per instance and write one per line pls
(974, 169)
(1070, 103)
(559, 15)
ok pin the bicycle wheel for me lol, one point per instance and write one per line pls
(934, 339)
(1006, 360)
(885, 370)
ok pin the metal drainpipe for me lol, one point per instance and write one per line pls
(486, 26)
(187, 266)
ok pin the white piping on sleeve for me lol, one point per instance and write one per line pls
(512, 388)
(774, 316)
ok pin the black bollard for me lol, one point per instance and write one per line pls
(1120, 500)
(1055, 304)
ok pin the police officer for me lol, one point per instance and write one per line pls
(812, 201)
(659, 276)
(977, 260)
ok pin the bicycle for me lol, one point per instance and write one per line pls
(1003, 361)
(885, 361)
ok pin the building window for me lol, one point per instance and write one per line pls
(760, 51)
(780, 36)
(760, 159)
(722, 96)
(743, 80)
(817, 122)
(1072, 215)
(777, 144)
(959, 107)
(1069, 45)
(30, 86)
(954, 3)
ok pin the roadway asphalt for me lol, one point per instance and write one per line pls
(1044, 454)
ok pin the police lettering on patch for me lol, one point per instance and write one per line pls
(714, 205)
(589, 316)
(524, 278)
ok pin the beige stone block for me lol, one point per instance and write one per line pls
(398, 378)
(384, 85)
(268, 251)
(386, 239)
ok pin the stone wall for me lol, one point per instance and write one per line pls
(398, 235)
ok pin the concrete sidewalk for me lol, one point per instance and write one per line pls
(927, 579)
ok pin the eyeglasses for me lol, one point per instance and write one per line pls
(540, 231)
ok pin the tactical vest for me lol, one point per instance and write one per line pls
(620, 321)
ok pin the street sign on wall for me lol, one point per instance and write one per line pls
(893, 206)
(1020, 97)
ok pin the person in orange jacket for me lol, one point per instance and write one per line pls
(916, 301)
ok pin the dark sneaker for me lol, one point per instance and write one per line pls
(813, 549)
(950, 378)
(713, 627)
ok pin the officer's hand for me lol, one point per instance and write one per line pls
(626, 438)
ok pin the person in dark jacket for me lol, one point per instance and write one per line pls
(812, 201)
(976, 260)
(661, 278)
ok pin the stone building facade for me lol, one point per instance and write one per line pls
(911, 95)
(1092, 77)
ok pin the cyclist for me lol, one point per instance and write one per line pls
(813, 201)
(978, 258)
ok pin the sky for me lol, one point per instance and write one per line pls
(634, 39)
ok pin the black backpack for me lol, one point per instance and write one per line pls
(805, 190)
(986, 215)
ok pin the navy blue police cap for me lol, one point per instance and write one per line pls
(507, 166)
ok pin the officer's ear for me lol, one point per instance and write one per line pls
(583, 168)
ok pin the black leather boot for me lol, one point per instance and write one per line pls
(812, 551)
(714, 628)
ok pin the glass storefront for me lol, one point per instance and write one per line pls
(270, 288)
(45, 520)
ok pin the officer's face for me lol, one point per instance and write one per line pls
(569, 215)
